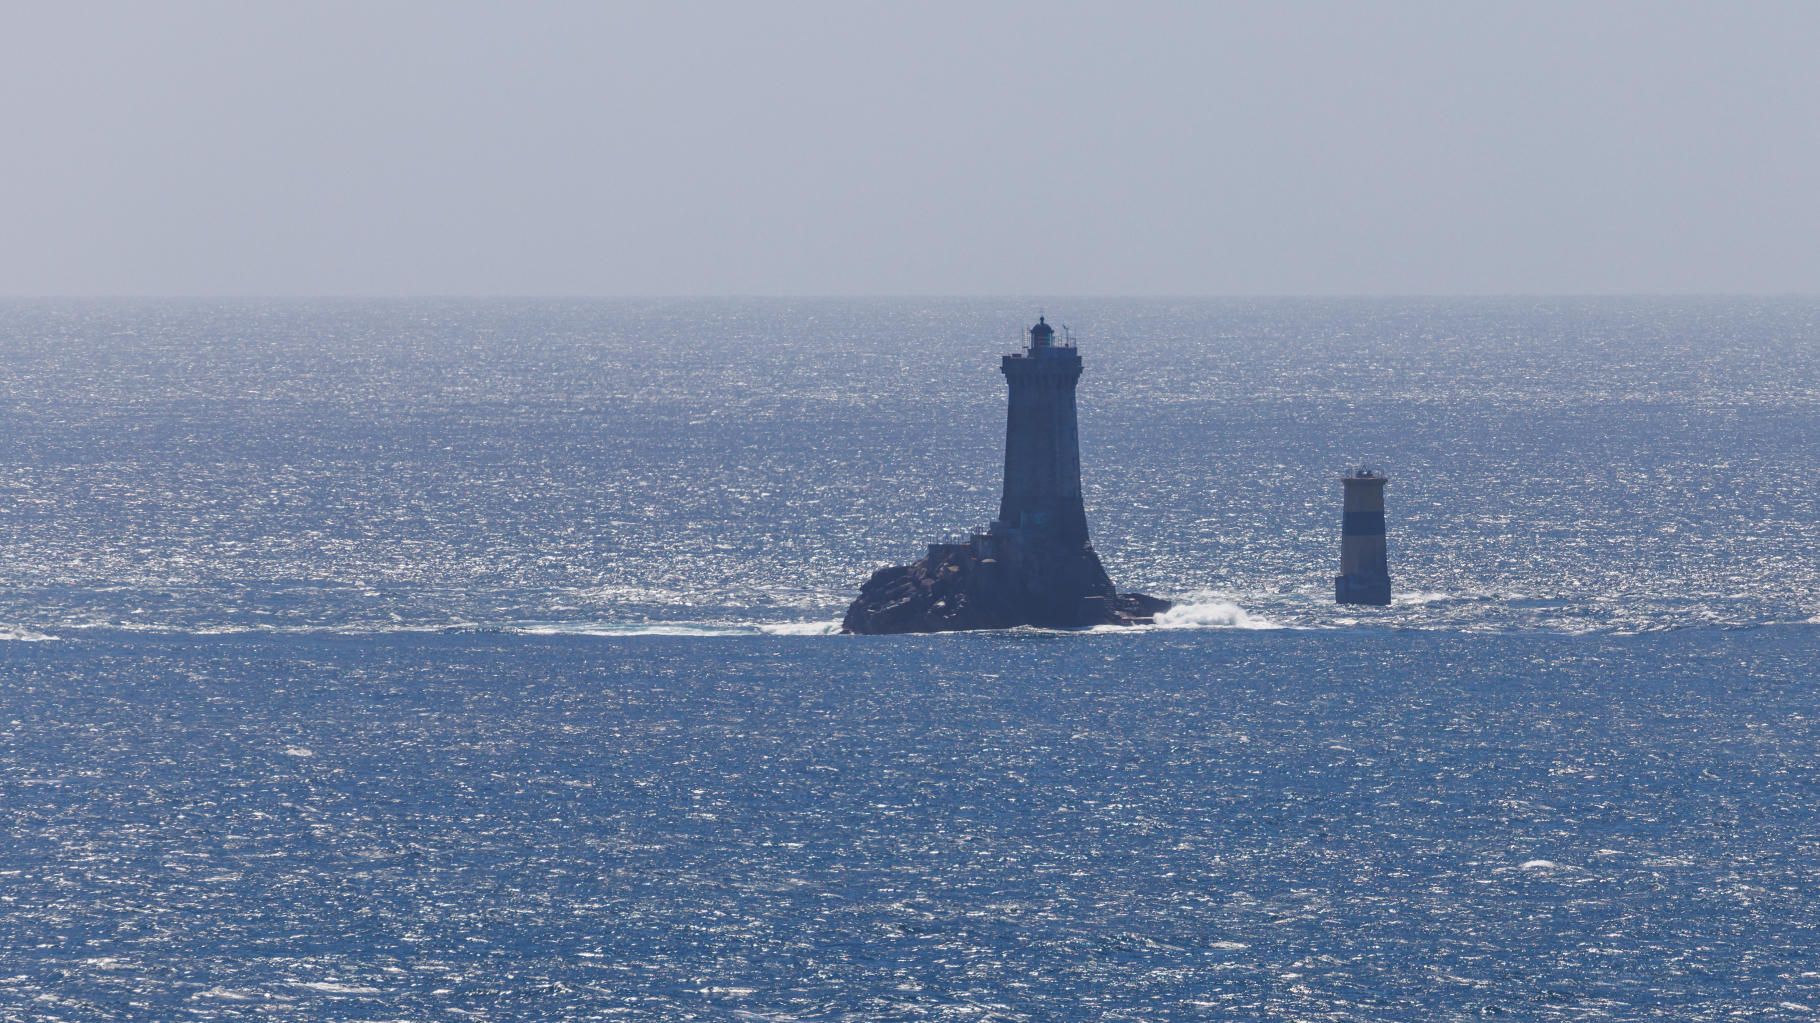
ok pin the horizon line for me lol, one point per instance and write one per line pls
(875, 296)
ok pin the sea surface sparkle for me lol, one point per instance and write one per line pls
(473, 660)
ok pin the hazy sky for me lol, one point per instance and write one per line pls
(378, 148)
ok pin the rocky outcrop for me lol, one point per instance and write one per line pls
(960, 586)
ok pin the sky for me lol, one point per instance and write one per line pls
(992, 147)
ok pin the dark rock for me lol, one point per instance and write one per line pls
(956, 590)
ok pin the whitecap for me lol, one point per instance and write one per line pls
(801, 629)
(331, 988)
(21, 634)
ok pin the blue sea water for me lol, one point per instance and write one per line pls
(472, 660)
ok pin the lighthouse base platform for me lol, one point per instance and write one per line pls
(997, 580)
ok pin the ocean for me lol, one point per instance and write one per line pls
(439, 659)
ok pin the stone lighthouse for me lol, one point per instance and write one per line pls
(1034, 564)
(1040, 535)
(1042, 442)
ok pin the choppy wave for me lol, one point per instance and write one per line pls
(927, 774)
(609, 630)
(801, 629)
(347, 628)
(338, 629)
(1258, 613)
(596, 628)
(614, 630)
(1234, 608)
(1422, 598)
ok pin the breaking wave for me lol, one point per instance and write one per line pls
(21, 634)
(1211, 614)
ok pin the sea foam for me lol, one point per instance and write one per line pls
(1211, 614)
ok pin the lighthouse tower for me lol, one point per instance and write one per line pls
(1039, 541)
(1364, 567)
(1042, 443)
